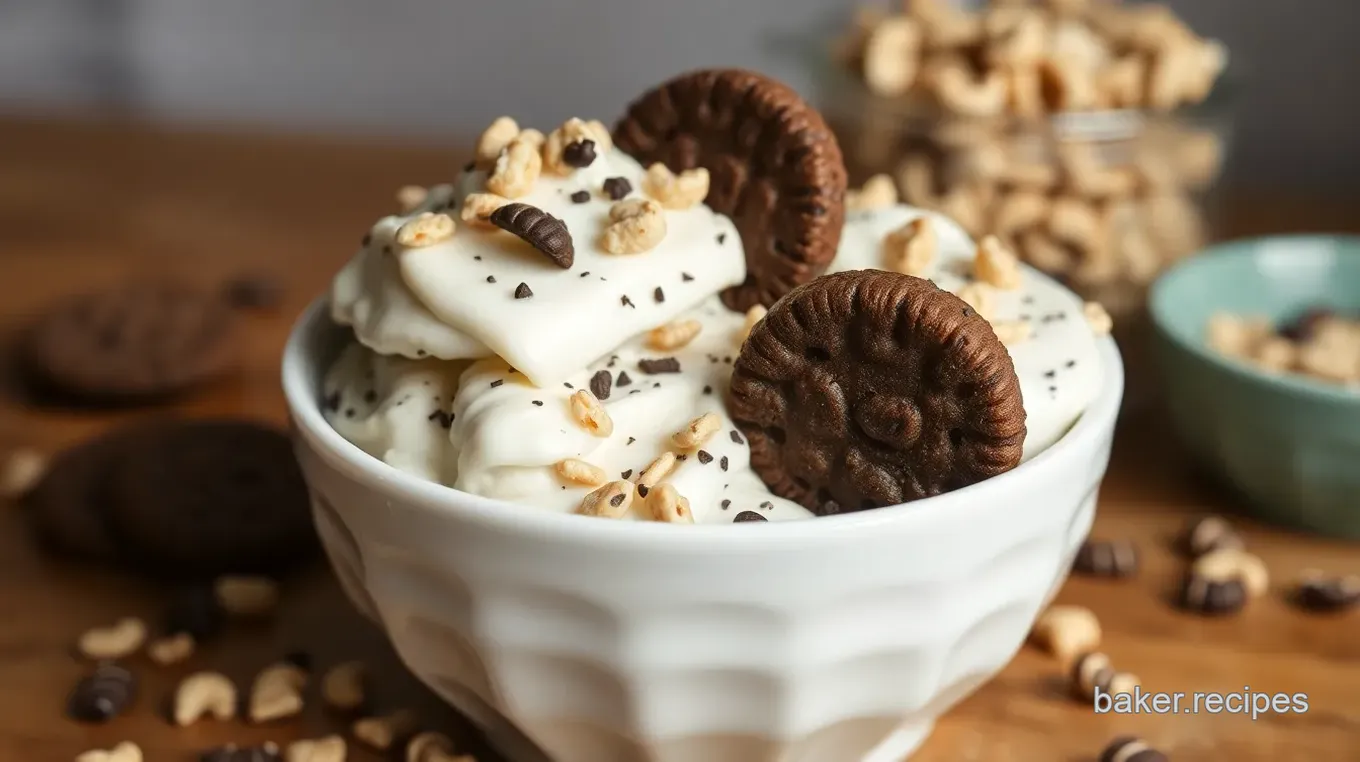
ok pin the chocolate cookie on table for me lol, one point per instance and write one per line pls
(775, 168)
(868, 388)
(195, 499)
(68, 508)
(138, 341)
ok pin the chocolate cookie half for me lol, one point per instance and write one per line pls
(142, 340)
(868, 388)
(774, 166)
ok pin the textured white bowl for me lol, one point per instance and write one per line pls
(830, 640)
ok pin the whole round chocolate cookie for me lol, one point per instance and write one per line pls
(68, 509)
(774, 168)
(195, 499)
(141, 340)
(868, 388)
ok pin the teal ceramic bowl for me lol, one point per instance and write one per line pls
(1288, 444)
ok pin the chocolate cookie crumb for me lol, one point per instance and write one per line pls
(585, 274)
(580, 197)
(101, 695)
(722, 463)
(722, 238)
(522, 291)
(686, 277)
(490, 279)
(767, 506)
(579, 154)
(659, 365)
(726, 504)
(624, 379)
(643, 490)
(601, 384)
(631, 440)
(626, 474)
(617, 187)
(659, 295)
(537, 403)
(736, 437)
(254, 292)
(704, 457)
(745, 516)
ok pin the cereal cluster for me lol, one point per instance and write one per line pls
(1028, 59)
(1320, 344)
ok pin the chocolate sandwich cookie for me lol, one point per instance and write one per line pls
(68, 509)
(869, 388)
(195, 499)
(775, 168)
(139, 341)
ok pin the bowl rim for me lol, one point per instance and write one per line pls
(961, 507)
(1293, 384)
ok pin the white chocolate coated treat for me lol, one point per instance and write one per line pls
(369, 295)
(578, 314)
(396, 409)
(1058, 365)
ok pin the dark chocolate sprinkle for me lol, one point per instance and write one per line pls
(569, 386)
(331, 403)
(631, 440)
(736, 437)
(490, 279)
(579, 154)
(625, 301)
(656, 385)
(633, 391)
(681, 457)
(726, 504)
(443, 417)
(421, 353)
(767, 505)
(612, 359)
(601, 384)
(580, 197)
(659, 365)
(624, 379)
(722, 462)
(722, 238)
(617, 187)
(370, 396)
(522, 291)
(349, 412)
(1053, 389)
(708, 390)
(497, 383)
(538, 403)
(1070, 364)
(748, 516)
(704, 457)
(387, 249)
(659, 295)
(626, 474)
(686, 277)
(585, 274)
(477, 257)
(1050, 373)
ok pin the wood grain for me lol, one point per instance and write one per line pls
(86, 205)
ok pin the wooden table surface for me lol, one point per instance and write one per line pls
(85, 205)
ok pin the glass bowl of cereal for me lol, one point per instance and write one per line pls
(1089, 137)
(1259, 347)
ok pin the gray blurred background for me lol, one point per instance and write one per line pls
(441, 69)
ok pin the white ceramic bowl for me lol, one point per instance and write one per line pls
(830, 640)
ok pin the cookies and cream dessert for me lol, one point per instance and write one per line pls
(555, 327)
